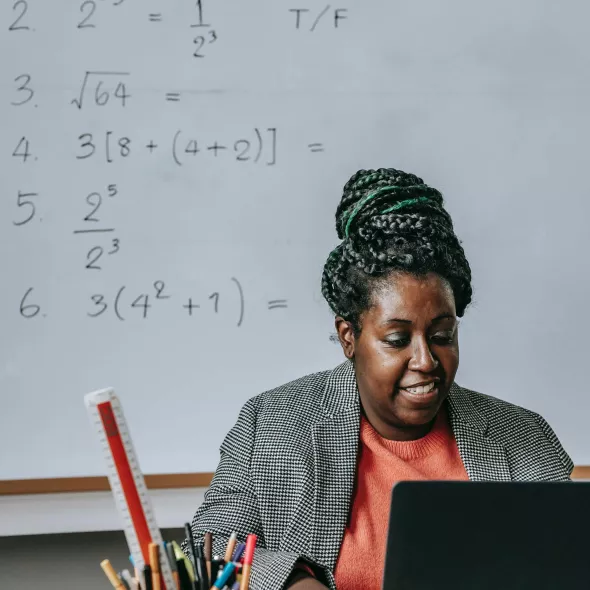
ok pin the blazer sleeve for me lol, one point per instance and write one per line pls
(552, 438)
(230, 505)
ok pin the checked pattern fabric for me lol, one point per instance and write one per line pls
(287, 468)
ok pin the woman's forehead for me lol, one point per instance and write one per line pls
(411, 298)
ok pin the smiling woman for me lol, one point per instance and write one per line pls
(406, 354)
(309, 466)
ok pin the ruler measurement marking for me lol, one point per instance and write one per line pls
(126, 479)
(125, 475)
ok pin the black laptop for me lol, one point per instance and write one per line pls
(488, 535)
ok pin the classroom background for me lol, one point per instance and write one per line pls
(170, 174)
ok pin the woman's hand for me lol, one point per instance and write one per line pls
(307, 583)
(302, 580)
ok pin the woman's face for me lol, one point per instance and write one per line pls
(407, 354)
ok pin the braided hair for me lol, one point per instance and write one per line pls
(390, 221)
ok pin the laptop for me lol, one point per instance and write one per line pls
(488, 535)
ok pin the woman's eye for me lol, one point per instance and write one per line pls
(398, 342)
(443, 337)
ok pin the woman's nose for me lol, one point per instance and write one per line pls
(422, 358)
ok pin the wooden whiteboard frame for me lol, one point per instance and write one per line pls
(11, 487)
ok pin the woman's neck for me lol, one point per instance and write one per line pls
(391, 431)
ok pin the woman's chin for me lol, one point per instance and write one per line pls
(417, 409)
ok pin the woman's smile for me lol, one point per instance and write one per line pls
(420, 397)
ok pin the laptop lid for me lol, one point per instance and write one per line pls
(488, 535)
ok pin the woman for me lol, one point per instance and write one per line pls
(309, 466)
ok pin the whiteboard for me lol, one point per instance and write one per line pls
(209, 142)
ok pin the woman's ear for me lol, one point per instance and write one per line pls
(346, 336)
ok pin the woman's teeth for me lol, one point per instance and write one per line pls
(421, 389)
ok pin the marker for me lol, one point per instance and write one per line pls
(184, 578)
(202, 573)
(217, 563)
(111, 574)
(127, 579)
(228, 570)
(188, 566)
(236, 586)
(231, 544)
(154, 550)
(172, 561)
(240, 547)
(123, 581)
(208, 552)
(131, 581)
(193, 552)
(147, 577)
(248, 558)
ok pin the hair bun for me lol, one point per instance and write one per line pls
(389, 220)
(370, 193)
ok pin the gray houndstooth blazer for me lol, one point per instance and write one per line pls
(287, 467)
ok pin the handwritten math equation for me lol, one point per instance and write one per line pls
(96, 142)
(125, 303)
(89, 15)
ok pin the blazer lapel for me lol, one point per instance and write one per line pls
(335, 447)
(484, 458)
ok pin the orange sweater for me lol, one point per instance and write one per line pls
(383, 462)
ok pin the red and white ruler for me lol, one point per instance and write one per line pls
(126, 479)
